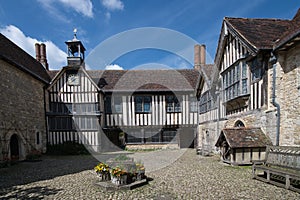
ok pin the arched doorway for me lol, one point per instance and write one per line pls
(14, 147)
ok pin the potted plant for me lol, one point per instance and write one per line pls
(102, 171)
(119, 175)
(140, 171)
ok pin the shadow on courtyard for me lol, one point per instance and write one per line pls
(29, 193)
(48, 168)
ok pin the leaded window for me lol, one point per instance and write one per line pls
(256, 69)
(235, 81)
(113, 104)
(142, 104)
(173, 104)
(151, 136)
(193, 105)
(206, 102)
(61, 123)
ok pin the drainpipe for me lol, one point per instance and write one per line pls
(273, 61)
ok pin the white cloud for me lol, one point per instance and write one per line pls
(113, 67)
(56, 57)
(84, 7)
(113, 4)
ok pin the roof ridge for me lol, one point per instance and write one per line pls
(247, 18)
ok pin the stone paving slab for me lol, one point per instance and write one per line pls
(190, 177)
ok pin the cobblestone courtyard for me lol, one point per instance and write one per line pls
(189, 177)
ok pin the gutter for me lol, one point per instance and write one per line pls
(273, 61)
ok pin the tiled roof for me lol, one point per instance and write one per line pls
(146, 80)
(52, 73)
(261, 33)
(243, 137)
(292, 32)
(266, 33)
(207, 71)
(13, 54)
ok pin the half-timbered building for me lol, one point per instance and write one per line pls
(22, 113)
(105, 108)
(242, 88)
(151, 106)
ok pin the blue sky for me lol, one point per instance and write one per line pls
(53, 21)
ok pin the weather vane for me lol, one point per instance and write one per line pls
(75, 32)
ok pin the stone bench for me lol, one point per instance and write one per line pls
(281, 167)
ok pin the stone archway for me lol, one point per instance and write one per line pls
(14, 147)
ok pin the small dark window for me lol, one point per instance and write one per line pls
(142, 104)
(239, 123)
(113, 104)
(37, 137)
(173, 104)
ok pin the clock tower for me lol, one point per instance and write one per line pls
(75, 51)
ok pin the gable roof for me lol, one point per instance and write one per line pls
(259, 33)
(291, 34)
(265, 33)
(243, 137)
(146, 80)
(57, 74)
(206, 76)
(52, 73)
(16, 56)
(142, 80)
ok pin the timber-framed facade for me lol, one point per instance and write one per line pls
(121, 107)
(253, 83)
(241, 88)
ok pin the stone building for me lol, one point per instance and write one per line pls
(22, 113)
(254, 82)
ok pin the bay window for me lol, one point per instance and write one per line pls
(235, 81)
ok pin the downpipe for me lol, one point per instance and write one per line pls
(273, 61)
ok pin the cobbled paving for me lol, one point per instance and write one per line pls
(190, 177)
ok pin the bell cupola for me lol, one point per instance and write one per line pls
(75, 51)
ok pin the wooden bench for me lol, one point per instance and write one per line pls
(281, 167)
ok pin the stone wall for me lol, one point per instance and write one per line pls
(22, 112)
(288, 95)
(209, 132)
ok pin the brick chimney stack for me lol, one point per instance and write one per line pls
(44, 56)
(199, 56)
(38, 52)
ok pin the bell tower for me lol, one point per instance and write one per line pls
(75, 51)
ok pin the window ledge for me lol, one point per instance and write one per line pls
(237, 100)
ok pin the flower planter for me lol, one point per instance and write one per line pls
(104, 176)
(119, 180)
(140, 175)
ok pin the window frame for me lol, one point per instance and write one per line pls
(143, 104)
(206, 102)
(173, 104)
(235, 80)
(113, 104)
